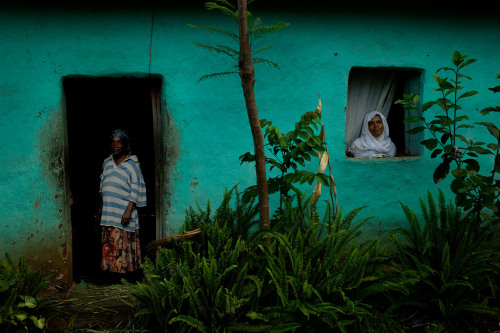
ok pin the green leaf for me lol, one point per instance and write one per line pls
(490, 109)
(457, 184)
(276, 164)
(411, 120)
(457, 58)
(441, 172)
(436, 153)
(480, 150)
(486, 216)
(468, 62)
(457, 119)
(445, 121)
(493, 146)
(492, 128)
(441, 307)
(430, 143)
(427, 105)
(30, 302)
(472, 165)
(495, 89)
(448, 148)
(445, 138)
(463, 138)
(191, 321)
(468, 94)
(416, 130)
(459, 173)
(304, 135)
(21, 315)
(38, 322)
(322, 179)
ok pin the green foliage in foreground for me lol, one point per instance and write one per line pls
(268, 281)
(452, 257)
(19, 290)
(308, 275)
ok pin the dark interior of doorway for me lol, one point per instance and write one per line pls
(94, 107)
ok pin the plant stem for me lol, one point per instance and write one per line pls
(247, 75)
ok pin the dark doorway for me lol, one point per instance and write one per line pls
(94, 107)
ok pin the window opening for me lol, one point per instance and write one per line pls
(376, 89)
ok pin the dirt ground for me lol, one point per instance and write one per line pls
(87, 307)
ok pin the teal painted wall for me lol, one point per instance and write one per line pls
(208, 127)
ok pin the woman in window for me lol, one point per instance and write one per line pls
(122, 189)
(374, 140)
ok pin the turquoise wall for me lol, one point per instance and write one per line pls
(208, 127)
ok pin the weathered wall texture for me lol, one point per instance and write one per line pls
(207, 124)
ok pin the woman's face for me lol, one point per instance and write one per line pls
(376, 126)
(117, 146)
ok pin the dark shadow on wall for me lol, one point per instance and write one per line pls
(94, 107)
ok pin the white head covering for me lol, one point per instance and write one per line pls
(369, 146)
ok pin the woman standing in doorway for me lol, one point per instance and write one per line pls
(122, 190)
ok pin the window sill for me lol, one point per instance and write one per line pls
(384, 159)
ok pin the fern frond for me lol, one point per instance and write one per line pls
(261, 49)
(265, 61)
(225, 7)
(228, 33)
(261, 31)
(221, 49)
(191, 321)
(208, 76)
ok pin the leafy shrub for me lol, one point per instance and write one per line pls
(449, 130)
(19, 290)
(309, 278)
(451, 257)
(239, 221)
(208, 293)
(302, 275)
(320, 277)
(203, 284)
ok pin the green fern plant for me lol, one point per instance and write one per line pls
(317, 276)
(306, 274)
(203, 285)
(453, 260)
(20, 287)
(207, 292)
(234, 218)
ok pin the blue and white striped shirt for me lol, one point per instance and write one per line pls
(121, 184)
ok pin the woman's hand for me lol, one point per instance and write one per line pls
(127, 214)
(126, 217)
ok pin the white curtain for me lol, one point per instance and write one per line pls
(368, 90)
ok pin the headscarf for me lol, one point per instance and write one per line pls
(124, 136)
(369, 146)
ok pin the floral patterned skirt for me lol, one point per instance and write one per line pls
(121, 250)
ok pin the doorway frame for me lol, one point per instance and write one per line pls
(159, 133)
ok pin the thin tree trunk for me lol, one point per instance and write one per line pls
(247, 76)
